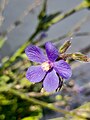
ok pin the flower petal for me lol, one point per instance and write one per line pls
(35, 54)
(51, 81)
(63, 69)
(51, 51)
(35, 74)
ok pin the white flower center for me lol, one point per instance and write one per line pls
(46, 66)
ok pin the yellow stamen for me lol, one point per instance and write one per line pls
(46, 66)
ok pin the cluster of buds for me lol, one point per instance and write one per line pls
(75, 56)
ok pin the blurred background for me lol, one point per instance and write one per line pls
(15, 9)
(18, 21)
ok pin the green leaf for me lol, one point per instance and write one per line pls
(24, 82)
(87, 2)
(59, 118)
(35, 113)
(30, 118)
(23, 56)
(4, 78)
(81, 113)
(33, 117)
(2, 41)
(2, 117)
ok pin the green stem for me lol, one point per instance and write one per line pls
(43, 104)
(20, 50)
(35, 101)
(79, 7)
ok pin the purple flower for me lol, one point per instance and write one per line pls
(43, 35)
(48, 68)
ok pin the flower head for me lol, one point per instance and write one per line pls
(48, 68)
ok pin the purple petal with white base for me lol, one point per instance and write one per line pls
(63, 69)
(51, 51)
(51, 81)
(35, 54)
(35, 74)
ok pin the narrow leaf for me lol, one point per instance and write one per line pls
(2, 41)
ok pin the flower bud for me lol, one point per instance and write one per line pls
(65, 46)
(80, 57)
